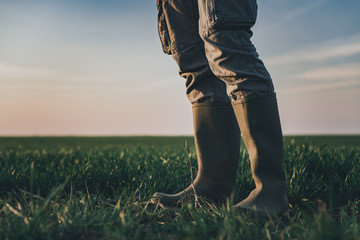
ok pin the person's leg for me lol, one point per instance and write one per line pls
(217, 136)
(224, 26)
(178, 31)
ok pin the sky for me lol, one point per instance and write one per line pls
(91, 67)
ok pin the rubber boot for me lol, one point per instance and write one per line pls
(259, 123)
(217, 141)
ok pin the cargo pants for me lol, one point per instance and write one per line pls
(210, 41)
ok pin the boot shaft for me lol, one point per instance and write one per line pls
(217, 141)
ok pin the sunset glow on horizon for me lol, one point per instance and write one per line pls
(97, 68)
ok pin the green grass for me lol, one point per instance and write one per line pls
(99, 188)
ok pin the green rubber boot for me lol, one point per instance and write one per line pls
(259, 123)
(217, 141)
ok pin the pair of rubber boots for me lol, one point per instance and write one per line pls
(217, 141)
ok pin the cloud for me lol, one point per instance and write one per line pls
(32, 77)
(328, 53)
(16, 73)
(331, 66)
(349, 71)
(13, 74)
(344, 77)
(298, 12)
(339, 48)
(283, 12)
(349, 84)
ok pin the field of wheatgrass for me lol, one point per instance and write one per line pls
(100, 187)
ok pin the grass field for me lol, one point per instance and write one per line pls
(99, 188)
